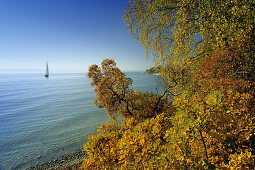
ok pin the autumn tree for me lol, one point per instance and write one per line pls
(113, 93)
(180, 33)
(143, 115)
(205, 50)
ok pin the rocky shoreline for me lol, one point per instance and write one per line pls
(69, 161)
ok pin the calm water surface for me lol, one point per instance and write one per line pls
(42, 119)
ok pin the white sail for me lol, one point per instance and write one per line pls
(47, 70)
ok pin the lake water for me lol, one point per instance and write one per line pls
(42, 119)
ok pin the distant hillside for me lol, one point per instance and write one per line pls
(153, 70)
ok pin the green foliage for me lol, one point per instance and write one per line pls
(210, 123)
(153, 70)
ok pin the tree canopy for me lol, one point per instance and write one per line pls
(205, 118)
(180, 33)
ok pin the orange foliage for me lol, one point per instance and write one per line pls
(113, 93)
(210, 125)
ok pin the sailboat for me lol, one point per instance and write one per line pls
(47, 70)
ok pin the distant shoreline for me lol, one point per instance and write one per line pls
(155, 74)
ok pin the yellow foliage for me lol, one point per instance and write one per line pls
(244, 160)
(205, 118)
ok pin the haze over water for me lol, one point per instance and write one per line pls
(43, 119)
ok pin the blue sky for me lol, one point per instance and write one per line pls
(69, 34)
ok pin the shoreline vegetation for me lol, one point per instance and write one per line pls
(154, 71)
(204, 118)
